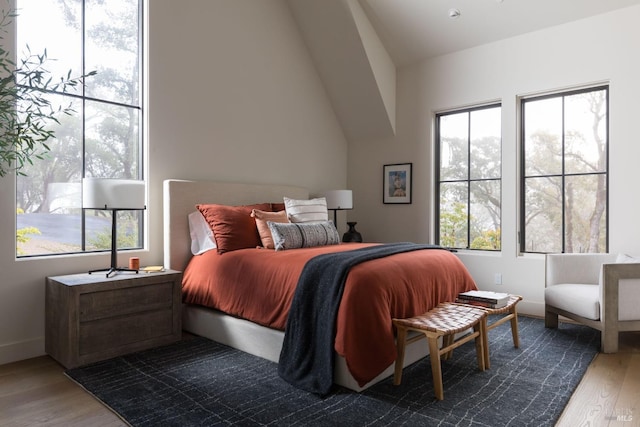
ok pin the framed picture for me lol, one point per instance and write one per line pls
(397, 183)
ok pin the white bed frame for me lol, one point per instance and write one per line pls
(180, 198)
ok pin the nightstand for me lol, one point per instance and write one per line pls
(90, 317)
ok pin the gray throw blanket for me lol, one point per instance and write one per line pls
(307, 356)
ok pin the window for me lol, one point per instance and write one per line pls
(102, 139)
(564, 167)
(468, 176)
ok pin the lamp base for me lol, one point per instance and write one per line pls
(352, 235)
(114, 249)
(112, 270)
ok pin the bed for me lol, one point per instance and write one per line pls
(264, 336)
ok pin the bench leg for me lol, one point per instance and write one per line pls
(436, 369)
(482, 348)
(514, 328)
(400, 344)
(447, 340)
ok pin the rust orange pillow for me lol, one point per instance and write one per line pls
(261, 218)
(277, 206)
(233, 227)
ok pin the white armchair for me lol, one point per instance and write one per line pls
(601, 291)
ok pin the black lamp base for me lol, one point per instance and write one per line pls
(114, 248)
(352, 235)
(112, 270)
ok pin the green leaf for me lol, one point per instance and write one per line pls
(26, 115)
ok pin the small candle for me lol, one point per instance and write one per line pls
(134, 263)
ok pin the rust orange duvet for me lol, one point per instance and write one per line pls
(259, 284)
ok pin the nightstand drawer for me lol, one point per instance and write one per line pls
(118, 302)
(109, 334)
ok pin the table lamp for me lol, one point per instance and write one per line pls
(113, 195)
(338, 200)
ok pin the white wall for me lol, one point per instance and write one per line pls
(233, 96)
(600, 49)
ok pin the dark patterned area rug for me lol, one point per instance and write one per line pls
(202, 383)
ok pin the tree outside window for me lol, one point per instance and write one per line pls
(103, 138)
(469, 170)
(564, 166)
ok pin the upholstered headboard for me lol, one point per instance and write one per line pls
(180, 198)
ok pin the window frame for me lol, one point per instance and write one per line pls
(523, 177)
(468, 180)
(82, 98)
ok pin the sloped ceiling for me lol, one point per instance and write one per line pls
(358, 44)
(361, 90)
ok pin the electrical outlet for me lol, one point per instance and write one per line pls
(498, 279)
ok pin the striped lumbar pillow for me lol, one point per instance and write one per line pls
(295, 235)
(313, 210)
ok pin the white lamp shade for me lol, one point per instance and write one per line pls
(109, 193)
(339, 199)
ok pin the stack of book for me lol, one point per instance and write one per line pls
(484, 299)
(152, 269)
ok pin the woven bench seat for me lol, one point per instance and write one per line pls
(444, 321)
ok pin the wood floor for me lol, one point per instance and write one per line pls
(609, 393)
(35, 392)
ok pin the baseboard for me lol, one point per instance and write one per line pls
(531, 308)
(21, 350)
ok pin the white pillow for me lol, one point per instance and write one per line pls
(312, 210)
(202, 239)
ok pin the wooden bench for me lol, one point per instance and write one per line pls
(444, 321)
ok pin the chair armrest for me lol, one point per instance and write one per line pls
(620, 292)
(575, 268)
